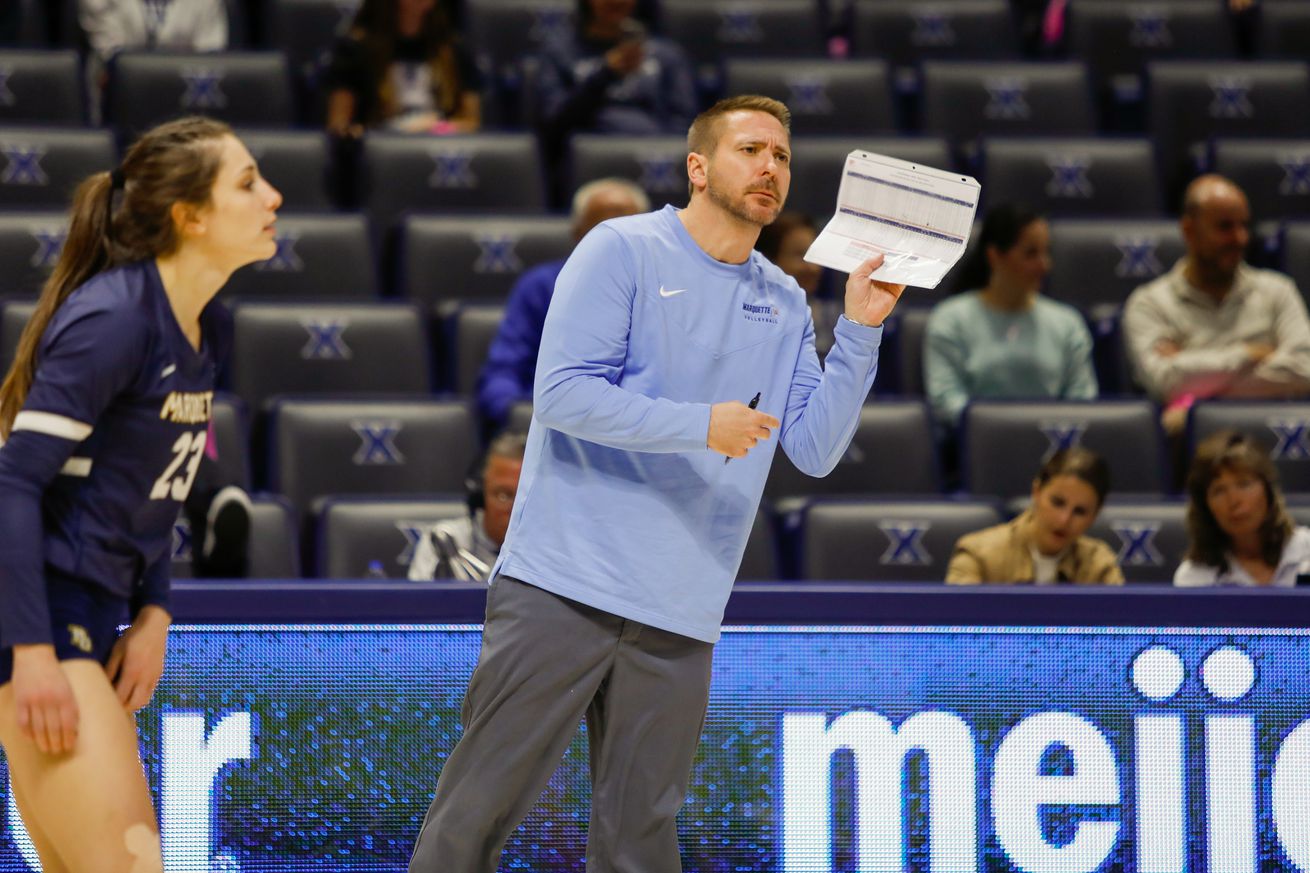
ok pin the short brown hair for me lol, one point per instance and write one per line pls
(1238, 452)
(703, 135)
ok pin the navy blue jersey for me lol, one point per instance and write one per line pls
(105, 448)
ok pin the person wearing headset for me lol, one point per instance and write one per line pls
(466, 548)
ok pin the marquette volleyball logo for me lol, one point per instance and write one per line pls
(762, 312)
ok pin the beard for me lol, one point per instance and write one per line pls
(739, 207)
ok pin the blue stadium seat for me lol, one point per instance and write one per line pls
(1296, 253)
(1004, 442)
(1101, 262)
(44, 165)
(1283, 427)
(1149, 537)
(892, 453)
(40, 87)
(1192, 101)
(1284, 30)
(908, 32)
(327, 256)
(711, 31)
(241, 88)
(1274, 173)
(1073, 177)
(825, 97)
(759, 563)
(231, 425)
(14, 315)
(325, 447)
(656, 163)
(273, 550)
(963, 101)
(469, 330)
(886, 540)
(475, 258)
(30, 243)
(357, 536)
(346, 348)
(474, 173)
(295, 162)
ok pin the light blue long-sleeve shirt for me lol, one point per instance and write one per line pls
(621, 505)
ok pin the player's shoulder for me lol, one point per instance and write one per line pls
(116, 300)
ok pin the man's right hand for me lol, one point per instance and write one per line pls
(735, 428)
(43, 699)
(626, 57)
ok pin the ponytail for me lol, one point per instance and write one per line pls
(85, 253)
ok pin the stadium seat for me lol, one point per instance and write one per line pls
(30, 243)
(468, 332)
(892, 453)
(1098, 262)
(825, 97)
(1073, 177)
(520, 416)
(305, 29)
(273, 551)
(817, 164)
(231, 426)
(911, 323)
(487, 173)
(1296, 254)
(504, 32)
(358, 536)
(1118, 38)
(1003, 443)
(886, 541)
(963, 101)
(1190, 102)
(329, 447)
(908, 32)
(711, 31)
(14, 315)
(241, 88)
(1283, 427)
(656, 163)
(1150, 537)
(346, 348)
(1274, 173)
(318, 256)
(44, 165)
(295, 162)
(1284, 30)
(40, 87)
(475, 258)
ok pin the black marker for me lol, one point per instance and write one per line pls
(755, 401)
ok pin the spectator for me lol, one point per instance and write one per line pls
(400, 67)
(466, 548)
(511, 364)
(1238, 529)
(1001, 338)
(1214, 326)
(1046, 544)
(112, 26)
(785, 242)
(610, 77)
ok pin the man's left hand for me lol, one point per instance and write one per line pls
(869, 302)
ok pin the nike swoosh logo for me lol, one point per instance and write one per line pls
(168, 371)
(664, 293)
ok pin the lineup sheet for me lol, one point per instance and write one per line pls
(918, 217)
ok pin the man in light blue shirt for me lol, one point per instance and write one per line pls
(644, 468)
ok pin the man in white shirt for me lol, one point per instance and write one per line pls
(1214, 326)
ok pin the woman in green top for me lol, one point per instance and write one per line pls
(999, 337)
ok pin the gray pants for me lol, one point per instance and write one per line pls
(545, 663)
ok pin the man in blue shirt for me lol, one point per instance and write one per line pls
(630, 522)
(511, 364)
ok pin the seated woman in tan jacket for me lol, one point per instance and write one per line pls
(1045, 545)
